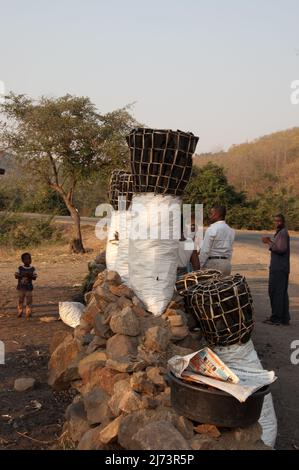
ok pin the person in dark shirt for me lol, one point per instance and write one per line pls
(279, 273)
(25, 275)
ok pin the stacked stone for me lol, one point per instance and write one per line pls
(116, 359)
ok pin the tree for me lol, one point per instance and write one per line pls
(64, 141)
(209, 186)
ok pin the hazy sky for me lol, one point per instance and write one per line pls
(219, 68)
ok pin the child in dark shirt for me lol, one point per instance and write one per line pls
(25, 275)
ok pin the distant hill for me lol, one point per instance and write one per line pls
(252, 167)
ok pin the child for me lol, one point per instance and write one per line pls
(25, 275)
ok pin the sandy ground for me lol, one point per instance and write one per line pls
(33, 420)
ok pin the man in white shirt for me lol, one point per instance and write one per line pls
(217, 246)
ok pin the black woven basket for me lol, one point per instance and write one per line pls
(184, 285)
(224, 309)
(161, 160)
(121, 184)
(188, 280)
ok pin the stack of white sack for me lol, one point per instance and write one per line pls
(245, 356)
(153, 248)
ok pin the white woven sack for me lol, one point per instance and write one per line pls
(153, 262)
(71, 312)
(244, 355)
(122, 259)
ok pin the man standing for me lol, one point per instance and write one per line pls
(279, 273)
(217, 246)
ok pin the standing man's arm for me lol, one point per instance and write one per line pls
(280, 244)
(206, 247)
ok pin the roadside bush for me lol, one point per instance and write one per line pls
(20, 232)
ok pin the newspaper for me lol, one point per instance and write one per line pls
(206, 362)
(250, 379)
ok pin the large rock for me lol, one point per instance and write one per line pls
(101, 328)
(87, 365)
(125, 365)
(208, 429)
(239, 438)
(90, 375)
(96, 406)
(184, 426)
(103, 297)
(164, 398)
(131, 401)
(96, 343)
(24, 384)
(123, 302)
(137, 420)
(157, 338)
(99, 357)
(113, 278)
(130, 425)
(179, 332)
(176, 320)
(121, 348)
(57, 339)
(194, 341)
(140, 383)
(175, 350)
(125, 323)
(121, 291)
(63, 365)
(160, 436)
(90, 312)
(91, 440)
(110, 432)
(119, 390)
(156, 376)
(151, 358)
(76, 418)
(247, 438)
(203, 442)
(107, 378)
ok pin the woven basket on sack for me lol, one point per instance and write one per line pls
(191, 279)
(161, 160)
(121, 184)
(184, 285)
(224, 309)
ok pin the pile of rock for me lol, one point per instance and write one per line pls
(116, 360)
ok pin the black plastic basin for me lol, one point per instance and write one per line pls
(213, 406)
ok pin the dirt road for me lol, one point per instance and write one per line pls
(33, 420)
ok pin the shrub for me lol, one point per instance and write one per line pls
(20, 232)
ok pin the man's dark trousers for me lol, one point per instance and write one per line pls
(279, 298)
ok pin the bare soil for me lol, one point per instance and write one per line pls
(34, 419)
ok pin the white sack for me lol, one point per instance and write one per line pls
(244, 355)
(112, 243)
(71, 312)
(185, 251)
(153, 262)
(122, 259)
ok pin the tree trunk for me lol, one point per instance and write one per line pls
(77, 242)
